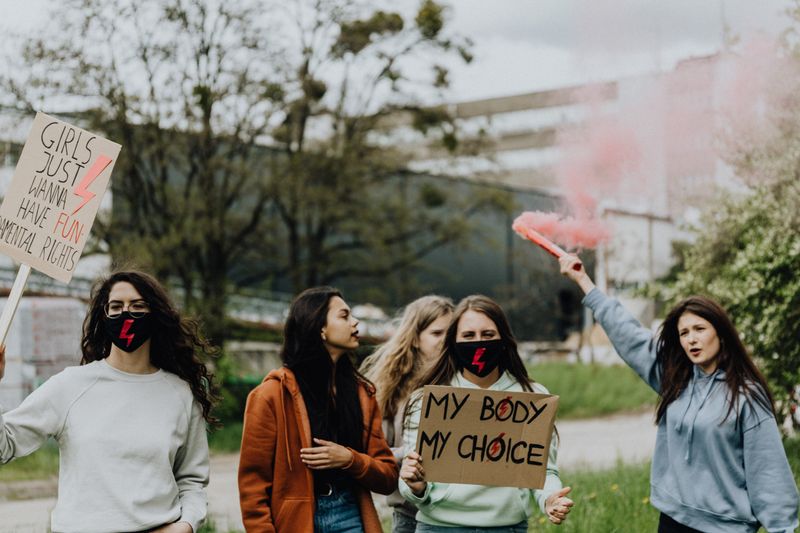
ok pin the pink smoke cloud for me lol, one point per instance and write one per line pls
(651, 144)
(569, 231)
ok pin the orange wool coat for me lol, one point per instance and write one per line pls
(276, 490)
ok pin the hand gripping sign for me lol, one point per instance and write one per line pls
(485, 437)
(51, 202)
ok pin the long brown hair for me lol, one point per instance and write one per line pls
(396, 365)
(176, 342)
(304, 353)
(445, 369)
(741, 374)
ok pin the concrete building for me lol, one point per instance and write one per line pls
(667, 126)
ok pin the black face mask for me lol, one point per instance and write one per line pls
(480, 357)
(129, 333)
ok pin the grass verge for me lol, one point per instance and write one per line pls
(617, 500)
(39, 465)
(588, 391)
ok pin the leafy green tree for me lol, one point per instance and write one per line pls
(747, 248)
(255, 150)
(186, 88)
(347, 206)
(748, 256)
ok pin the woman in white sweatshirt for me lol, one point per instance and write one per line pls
(130, 422)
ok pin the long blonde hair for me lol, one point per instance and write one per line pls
(395, 366)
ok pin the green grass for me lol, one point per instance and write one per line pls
(226, 439)
(616, 500)
(606, 501)
(792, 447)
(210, 527)
(588, 391)
(41, 464)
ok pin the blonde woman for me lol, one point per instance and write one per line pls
(396, 368)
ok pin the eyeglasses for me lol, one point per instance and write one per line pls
(137, 308)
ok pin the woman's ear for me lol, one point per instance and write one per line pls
(323, 335)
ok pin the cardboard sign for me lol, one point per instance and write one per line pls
(52, 201)
(485, 437)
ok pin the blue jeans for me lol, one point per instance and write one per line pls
(403, 523)
(337, 513)
(522, 527)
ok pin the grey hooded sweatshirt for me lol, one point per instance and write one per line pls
(709, 472)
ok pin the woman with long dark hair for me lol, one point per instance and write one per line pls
(312, 446)
(396, 368)
(719, 464)
(478, 324)
(130, 422)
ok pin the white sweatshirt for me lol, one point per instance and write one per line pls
(133, 448)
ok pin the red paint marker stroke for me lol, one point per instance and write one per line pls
(95, 170)
(504, 405)
(495, 444)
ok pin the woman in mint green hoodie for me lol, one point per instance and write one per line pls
(719, 464)
(478, 324)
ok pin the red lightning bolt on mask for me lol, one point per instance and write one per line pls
(124, 333)
(476, 359)
(82, 189)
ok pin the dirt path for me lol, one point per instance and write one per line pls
(594, 444)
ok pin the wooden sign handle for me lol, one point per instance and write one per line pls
(13, 300)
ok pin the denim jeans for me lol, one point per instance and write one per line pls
(522, 527)
(403, 523)
(337, 513)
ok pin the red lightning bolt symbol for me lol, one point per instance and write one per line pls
(124, 333)
(495, 444)
(82, 189)
(504, 405)
(476, 359)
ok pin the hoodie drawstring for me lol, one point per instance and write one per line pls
(679, 425)
(285, 426)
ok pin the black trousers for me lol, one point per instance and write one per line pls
(668, 525)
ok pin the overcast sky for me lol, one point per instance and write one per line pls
(528, 45)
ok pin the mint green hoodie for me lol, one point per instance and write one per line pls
(459, 504)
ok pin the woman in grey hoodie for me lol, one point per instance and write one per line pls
(719, 464)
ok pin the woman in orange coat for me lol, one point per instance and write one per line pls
(312, 446)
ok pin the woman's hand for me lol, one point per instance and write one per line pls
(413, 474)
(557, 505)
(175, 527)
(577, 273)
(327, 455)
(2, 360)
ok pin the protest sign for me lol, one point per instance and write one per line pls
(52, 201)
(485, 437)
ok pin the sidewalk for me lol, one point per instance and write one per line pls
(33, 515)
(585, 444)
